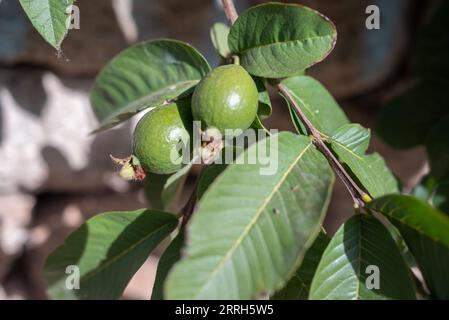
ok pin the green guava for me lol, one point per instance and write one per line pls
(226, 98)
(159, 135)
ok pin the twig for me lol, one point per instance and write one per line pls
(189, 208)
(229, 8)
(357, 194)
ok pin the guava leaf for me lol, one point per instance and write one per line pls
(370, 170)
(434, 192)
(277, 40)
(299, 285)
(170, 256)
(343, 271)
(316, 102)
(108, 250)
(173, 187)
(354, 137)
(406, 121)
(219, 36)
(265, 108)
(252, 230)
(145, 75)
(51, 18)
(426, 233)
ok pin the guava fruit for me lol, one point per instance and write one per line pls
(159, 135)
(226, 98)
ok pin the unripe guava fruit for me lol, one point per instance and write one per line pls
(226, 98)
(158, 134)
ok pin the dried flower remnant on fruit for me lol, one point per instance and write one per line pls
(130, 168)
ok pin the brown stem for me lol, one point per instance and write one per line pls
(355, 191)
(231, 13)
(189, 208)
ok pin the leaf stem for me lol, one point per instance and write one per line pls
(357, 194)
(231, 13)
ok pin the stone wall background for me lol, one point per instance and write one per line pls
(54, 175)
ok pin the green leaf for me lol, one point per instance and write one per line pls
(277, 40)
(343, 272)
(299, 126)
(407, 119)
(170, 256)
(437, 144)
(354, 137)
(145, 75)
(426, 233)
(108, 250)
(265, 108)
(434, 192)
(317, 103)
(51, 18)
(370, 170)
(219, 36)
(208, 177)
(252, 230)
(299, 285)
(173, 187)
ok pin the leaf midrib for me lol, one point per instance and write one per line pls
(252, 223)
(285, 42)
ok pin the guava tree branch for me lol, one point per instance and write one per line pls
(229, 8)
(357, 194)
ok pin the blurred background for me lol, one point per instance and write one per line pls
(54, 175)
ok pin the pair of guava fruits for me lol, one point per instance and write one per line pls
(226, 98)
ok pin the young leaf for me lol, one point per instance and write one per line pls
(437, 144)
(362, 262)
(107, 250)
(277, 40)
(146, 75)
(370, 170)
(426, 233)
(252, 230)
(317, 103)
(170, 256)
(407, 119)
(299, 285)
(265, 108)
(51, 18)
(219, 36)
